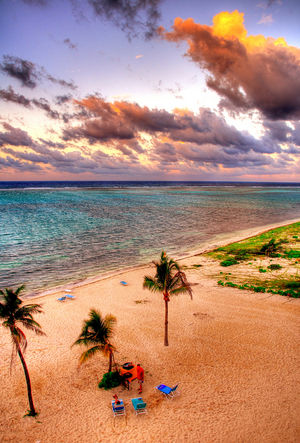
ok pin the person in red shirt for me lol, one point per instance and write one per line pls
(140, 377)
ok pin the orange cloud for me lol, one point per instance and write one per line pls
(248, 71)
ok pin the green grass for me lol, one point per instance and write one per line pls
(252, 246)
(279, 242)
(287, 288)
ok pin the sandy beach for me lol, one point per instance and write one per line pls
(235, 355)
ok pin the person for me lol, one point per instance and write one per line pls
(117, 401)
(140, 377)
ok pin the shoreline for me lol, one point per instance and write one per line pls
(216, 242)
(235, 355)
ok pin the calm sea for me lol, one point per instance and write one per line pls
(57, 232)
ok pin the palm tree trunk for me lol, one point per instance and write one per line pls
(110, 362)
(166, 343)
(32, 411)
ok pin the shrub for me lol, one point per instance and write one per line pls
(293, 253)
(231, 285)
(110, 380)
(262, 270)
(274, 267)
(242, 255)
(293, 285)
(259, 289)
(271, 247)
(229, 262)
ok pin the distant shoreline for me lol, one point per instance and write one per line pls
(218, 241)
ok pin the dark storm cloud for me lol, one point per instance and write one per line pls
(29, 74)
(249, 72)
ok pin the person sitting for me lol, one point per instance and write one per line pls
(117, 401)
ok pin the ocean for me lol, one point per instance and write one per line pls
(54, 233)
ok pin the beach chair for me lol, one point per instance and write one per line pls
(63, 298)
(69, 296)
(118, 409)
(139, 405)
(167, 391)
(124, 283)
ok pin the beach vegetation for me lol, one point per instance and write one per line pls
(229, 262)
(110, 380)
(169, 279)
(14, 313)
(276, 243)
(288, 288)
(274, 267)
(273, 243)
(96, 334)
(271, 247)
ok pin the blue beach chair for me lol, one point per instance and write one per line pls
(139, 405)
(124, 283)
(63, 298)
(167, 391)
(118, 409)
(71, 297)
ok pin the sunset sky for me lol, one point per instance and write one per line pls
(150, 90)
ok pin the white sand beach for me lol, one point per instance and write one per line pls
(235, 355)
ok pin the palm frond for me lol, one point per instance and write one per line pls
(89, 353)
(152, 284)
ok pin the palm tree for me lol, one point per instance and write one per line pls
(96, 332)
(13, 313)
(170, 280)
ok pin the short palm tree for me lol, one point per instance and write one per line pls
(13, 313)
(97, 332)
(170, 280)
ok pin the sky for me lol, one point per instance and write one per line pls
(150, 90)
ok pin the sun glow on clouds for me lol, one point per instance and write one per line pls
(248, 72)
(238, 126)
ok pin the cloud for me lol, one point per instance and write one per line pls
(61, 99)
(134, 17)
(249, 72)
(70, 45)
(23, 70)
(122, 124)
(30, 74)
(266, 19)
(15, 137)
(10, 95)
(125, 138)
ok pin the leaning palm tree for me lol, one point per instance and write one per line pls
(97, 332)
(170, 280)
(13, 313)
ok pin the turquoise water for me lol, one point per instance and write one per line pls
(53, 236)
